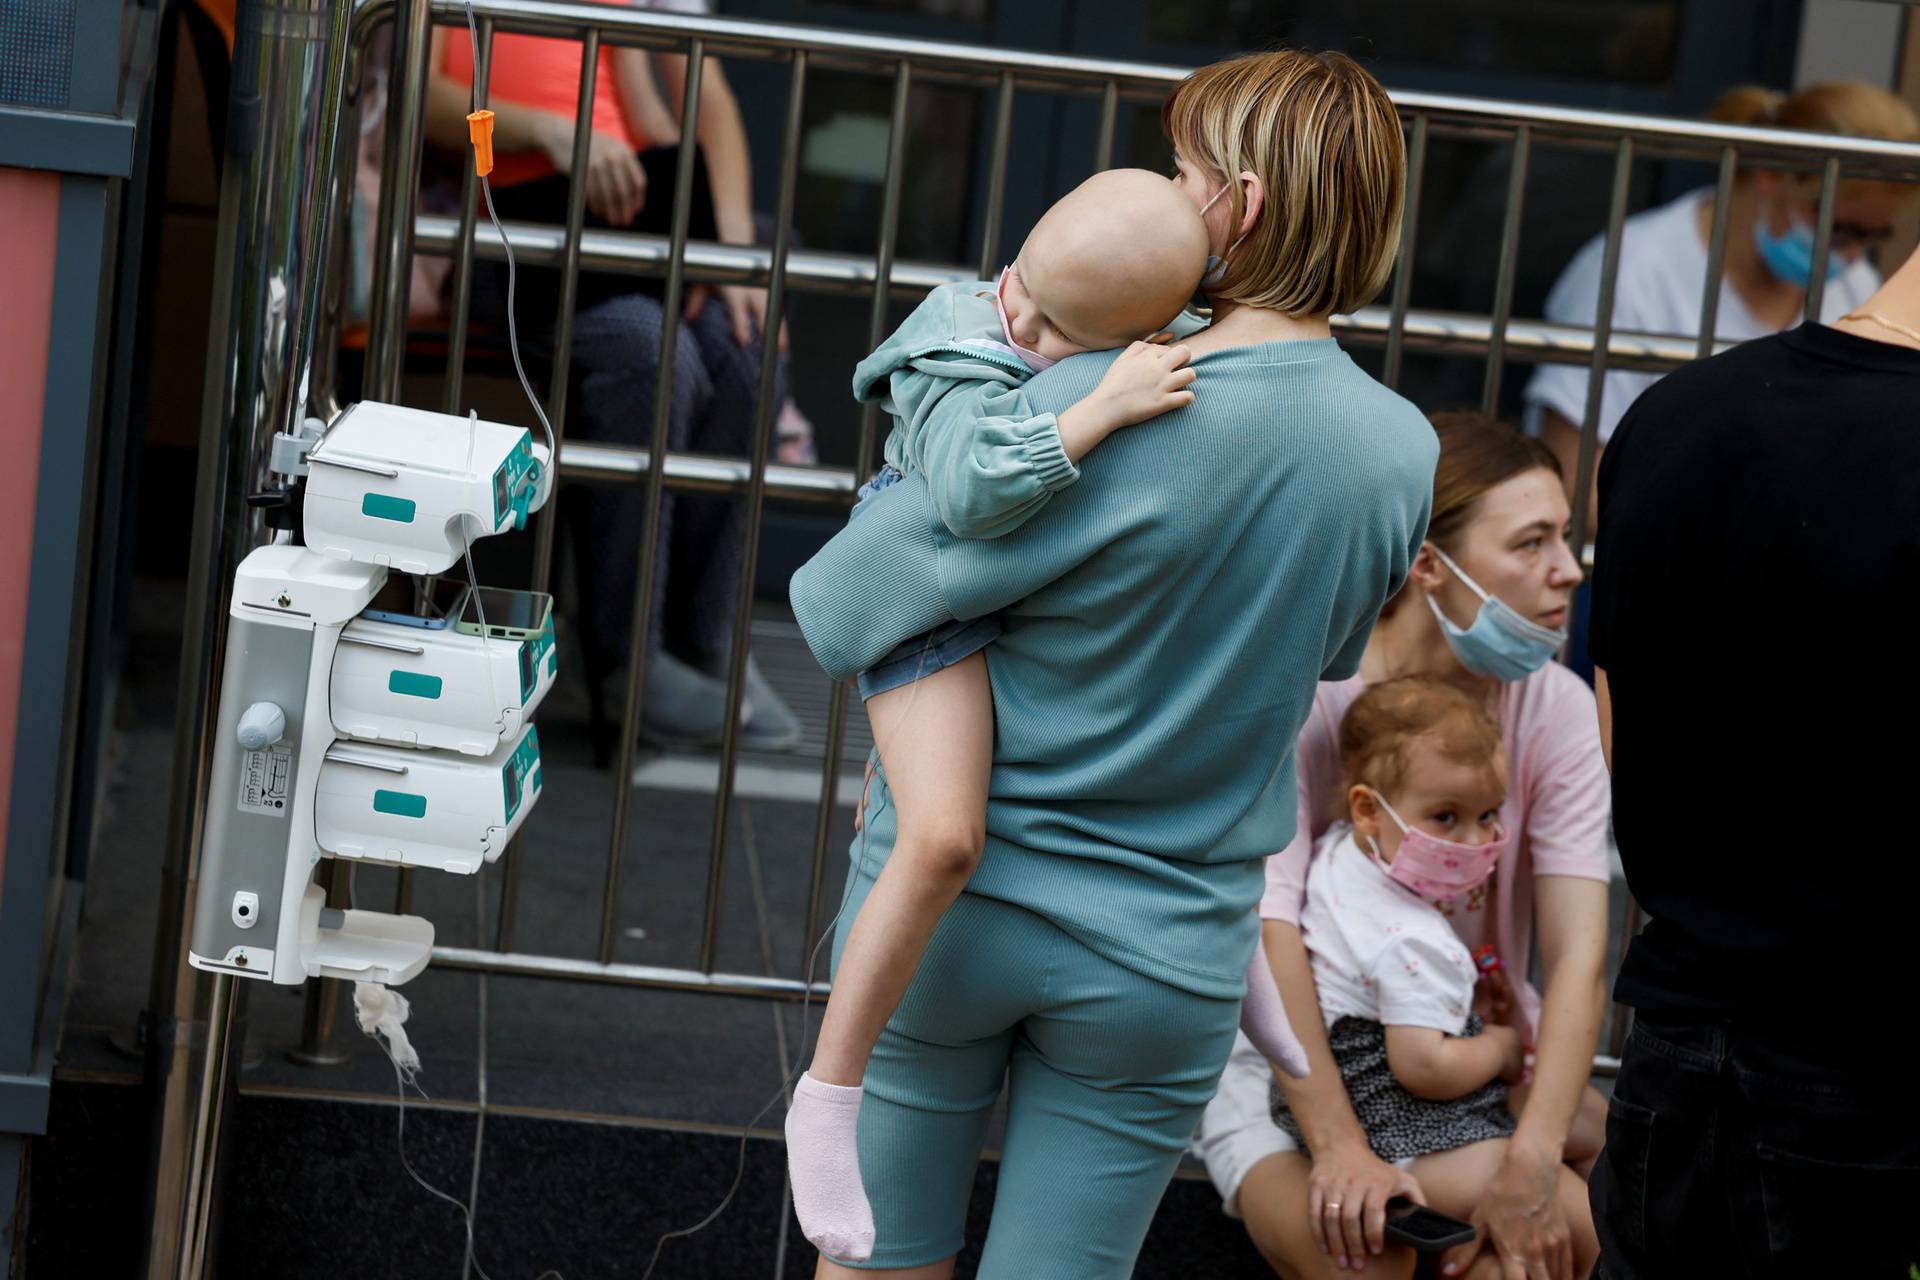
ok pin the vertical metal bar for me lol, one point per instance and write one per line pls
(546, 521)
(1509, 260)
(215, 1086)
(823, 819)
(333, 293)
(460, 314)
(1602, 338)
(996, 176)
(509, 897)
(883, 252)
(1717, 250)
(1822, 238)
(289, 70)
(322, 996)
(318, 1014)
(1109, 117)
(863, 456)
(461, 305)
(756, 495)
(399, 193)
(1409, 248)
(642, 624)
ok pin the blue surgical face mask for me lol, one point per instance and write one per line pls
(1789, 256)
(1217, 262)
(1500, 643)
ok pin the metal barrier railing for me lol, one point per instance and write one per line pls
(1397, 327)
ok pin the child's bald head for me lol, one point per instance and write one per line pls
(1116, 259)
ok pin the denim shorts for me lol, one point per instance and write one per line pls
(946, 645)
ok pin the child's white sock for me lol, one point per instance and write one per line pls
(823, 1163)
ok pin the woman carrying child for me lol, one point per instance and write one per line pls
(1161, 622)
(1487, 604)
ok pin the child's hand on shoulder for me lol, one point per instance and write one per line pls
(1145, 382)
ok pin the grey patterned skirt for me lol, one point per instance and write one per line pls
(1400, 1126)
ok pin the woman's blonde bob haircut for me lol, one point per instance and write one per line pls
(1324, 139)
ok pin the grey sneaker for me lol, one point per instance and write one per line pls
(683, 706)
(772, 726)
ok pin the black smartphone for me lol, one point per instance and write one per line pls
(1427, 1230)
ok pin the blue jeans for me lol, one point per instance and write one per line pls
(1730, 1154)
(945, 646)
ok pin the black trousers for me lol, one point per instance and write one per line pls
(1731, 1153)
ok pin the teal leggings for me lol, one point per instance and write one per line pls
(1107, 1071)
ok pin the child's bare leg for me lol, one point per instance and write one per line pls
(1453, 1180)
(935, 739)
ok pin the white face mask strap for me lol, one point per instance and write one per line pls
(1213, 200)
(1459, 573)
(1397, 820)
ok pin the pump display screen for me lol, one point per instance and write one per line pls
(512, 780)
(520, 778)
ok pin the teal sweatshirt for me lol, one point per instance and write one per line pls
(961, 417)
(1166, 621)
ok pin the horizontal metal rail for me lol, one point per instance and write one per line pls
(525, 965)
(705, 473)
(631, 253)
(1143, 81)
(515, 964)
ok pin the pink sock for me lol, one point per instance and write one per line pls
(1264, 1018)
(823, 1163)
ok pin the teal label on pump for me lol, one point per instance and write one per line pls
(382, 507)
(413, 684)
(401, 804)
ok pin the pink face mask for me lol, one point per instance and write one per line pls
(1033, 359)
(1438, 869)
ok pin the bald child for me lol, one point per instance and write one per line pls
(1113, 264)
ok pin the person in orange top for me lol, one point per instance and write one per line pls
(533, 91)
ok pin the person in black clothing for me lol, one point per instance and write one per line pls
(1761, 536)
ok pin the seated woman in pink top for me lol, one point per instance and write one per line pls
(1486, 603)
(533, 91)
